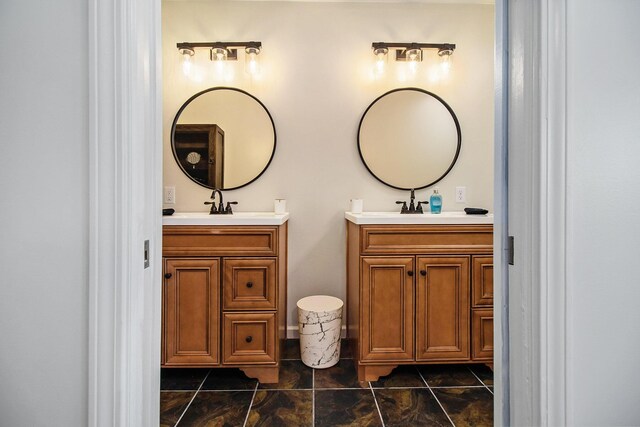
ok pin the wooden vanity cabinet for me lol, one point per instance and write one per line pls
(224, 298)
(419, 294)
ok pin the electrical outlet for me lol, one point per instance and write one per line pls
(461, 194)
(170, 195)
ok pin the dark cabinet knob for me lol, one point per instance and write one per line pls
(249, 338)
(410, 273)
(249, 284)
(167, 276)
(423, 272)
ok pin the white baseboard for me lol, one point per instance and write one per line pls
(294, 333)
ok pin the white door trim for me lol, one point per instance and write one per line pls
(500, 225)
(125, 181)
(553, 188)
(538, 287)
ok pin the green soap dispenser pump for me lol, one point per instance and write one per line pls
(435, 201)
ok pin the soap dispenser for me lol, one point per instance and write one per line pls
(435, 201)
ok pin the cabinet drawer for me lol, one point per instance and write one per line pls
(249, 284)
(202, 240)
(249, 338)
(482, 339)
(419, 239)
(482, 281)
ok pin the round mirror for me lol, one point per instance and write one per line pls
(409, 138)
(223, 138)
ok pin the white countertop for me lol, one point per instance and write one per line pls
(237, 218)
(451, 217)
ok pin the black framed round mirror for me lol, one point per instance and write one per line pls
(409, 138)
(223, 138)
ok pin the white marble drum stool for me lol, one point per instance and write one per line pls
(320, 324)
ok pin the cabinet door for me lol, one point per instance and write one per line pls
(482, 283)
(482, 339)
(387, 309)
(191, 312)
(442, 308)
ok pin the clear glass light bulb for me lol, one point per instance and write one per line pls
(186, 64)
(251, 63)
(380, 61)
(186, 60)
(445, 63)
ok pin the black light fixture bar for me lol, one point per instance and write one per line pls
(439, 46)
(230, 47)
(402, 48)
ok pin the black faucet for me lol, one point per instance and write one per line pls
(220, 209)
(412, 209)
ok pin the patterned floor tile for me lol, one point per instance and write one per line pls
(181, 378)
(346, 408)
(410, 407)
(345, 350)
(281, 408)
(342, 375)
(291, 350)
(467, 406)
(172, 405)
(217, 408)
(228, 379)
(293, 375)
(484, 373)
(449, 376)
(402, 376)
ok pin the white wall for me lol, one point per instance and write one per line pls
(316, 84)
(44, 213)
(603, 207)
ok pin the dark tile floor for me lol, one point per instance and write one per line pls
(427, 395)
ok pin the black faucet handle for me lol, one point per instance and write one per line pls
(228, 210)
(404, 208)
(419, 208)
(213, 206)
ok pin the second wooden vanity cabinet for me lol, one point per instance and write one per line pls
(224, 297)
(419, 294)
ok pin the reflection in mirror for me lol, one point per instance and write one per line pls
(223, 138)
(409, 138)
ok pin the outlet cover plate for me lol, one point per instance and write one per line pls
(169, 195)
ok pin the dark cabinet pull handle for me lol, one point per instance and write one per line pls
(249, 284)
(410, 273)
(167, 276)
(249, 338)
(423, 272)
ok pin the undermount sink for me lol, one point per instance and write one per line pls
(450, 217)
(237, 218)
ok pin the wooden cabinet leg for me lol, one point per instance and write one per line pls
(264, 375)
(374, 372)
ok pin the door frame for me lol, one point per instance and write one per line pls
(532, 293)
(125, 179)
(124, 74)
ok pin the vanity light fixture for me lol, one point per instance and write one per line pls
(412, 53)
(224, 51)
